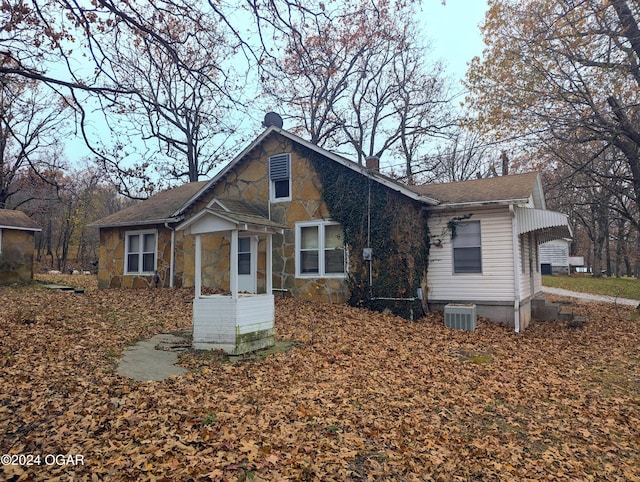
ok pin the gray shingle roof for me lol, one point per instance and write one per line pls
(12, 219)
(159, 208)
(244, 212)
(502, 188)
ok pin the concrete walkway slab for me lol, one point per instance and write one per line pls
(588, 297)
(154, 359)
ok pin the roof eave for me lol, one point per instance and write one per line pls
(20, 228)
(361, 169)
(149, 222)
(443, 206)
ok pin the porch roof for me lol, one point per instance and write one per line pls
(228, 215)
(550, 225)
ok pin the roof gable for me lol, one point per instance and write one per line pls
(274, 130)
(12, 219)
(166, 206)
(225, 214)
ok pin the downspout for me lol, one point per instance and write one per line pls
(516, 269)
(172, 255)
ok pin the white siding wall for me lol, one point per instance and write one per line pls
(526, 247)
(555, 253)
(220, 321)
(537, 275)
(495, 283)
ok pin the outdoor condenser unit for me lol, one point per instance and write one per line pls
(460, 317)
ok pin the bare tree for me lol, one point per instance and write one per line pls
(68, 46)
(184, 105)
(356, 78)
(30, 128)
(566, 74)
(460, 157)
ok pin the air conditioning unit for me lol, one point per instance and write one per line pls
(460, 317)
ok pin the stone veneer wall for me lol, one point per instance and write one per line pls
(16, 258)
(111, 267)
(249, 181)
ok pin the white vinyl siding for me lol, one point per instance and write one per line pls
(140, 251)
(555, 253)
(496, 282)
(530, 279)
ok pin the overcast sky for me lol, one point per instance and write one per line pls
(453, 31)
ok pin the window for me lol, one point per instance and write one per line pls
(140, 252)
(320, 250)
(280, 177)
(467, 253)
(244, 255)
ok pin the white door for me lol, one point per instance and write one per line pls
(247, 263)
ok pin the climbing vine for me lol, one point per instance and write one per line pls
(394, 227)
(452, 225)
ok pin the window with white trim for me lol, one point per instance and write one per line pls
(244, 255)
(280, 177)
(467, 248)
(320, 250)
(140, 251)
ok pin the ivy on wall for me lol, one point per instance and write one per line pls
(393, 226)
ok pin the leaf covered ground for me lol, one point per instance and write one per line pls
(363, 396)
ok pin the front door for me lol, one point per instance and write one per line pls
(247, 264)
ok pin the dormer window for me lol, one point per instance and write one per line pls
(280, 177)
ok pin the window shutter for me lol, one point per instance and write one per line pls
(279, 167)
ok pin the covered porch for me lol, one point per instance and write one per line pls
(532, 227)
(240, 319)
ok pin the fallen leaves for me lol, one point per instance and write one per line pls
(366, 396)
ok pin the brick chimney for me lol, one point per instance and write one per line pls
(373, 163)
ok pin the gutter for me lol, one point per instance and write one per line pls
(472, 204)
(516, 268)
(20, 228)
(125, 224)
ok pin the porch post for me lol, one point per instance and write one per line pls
(198, 268)
(269, 265)
(233, 265)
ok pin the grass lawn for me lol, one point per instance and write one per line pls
(617, 287)
(362, 396)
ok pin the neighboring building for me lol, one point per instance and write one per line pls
(288, 216)
(554, 257)
(17, 246)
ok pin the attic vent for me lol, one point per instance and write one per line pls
(279, 167)
(460, 317)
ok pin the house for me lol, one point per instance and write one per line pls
(288, 217)
(17, 245)
(554, 257)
